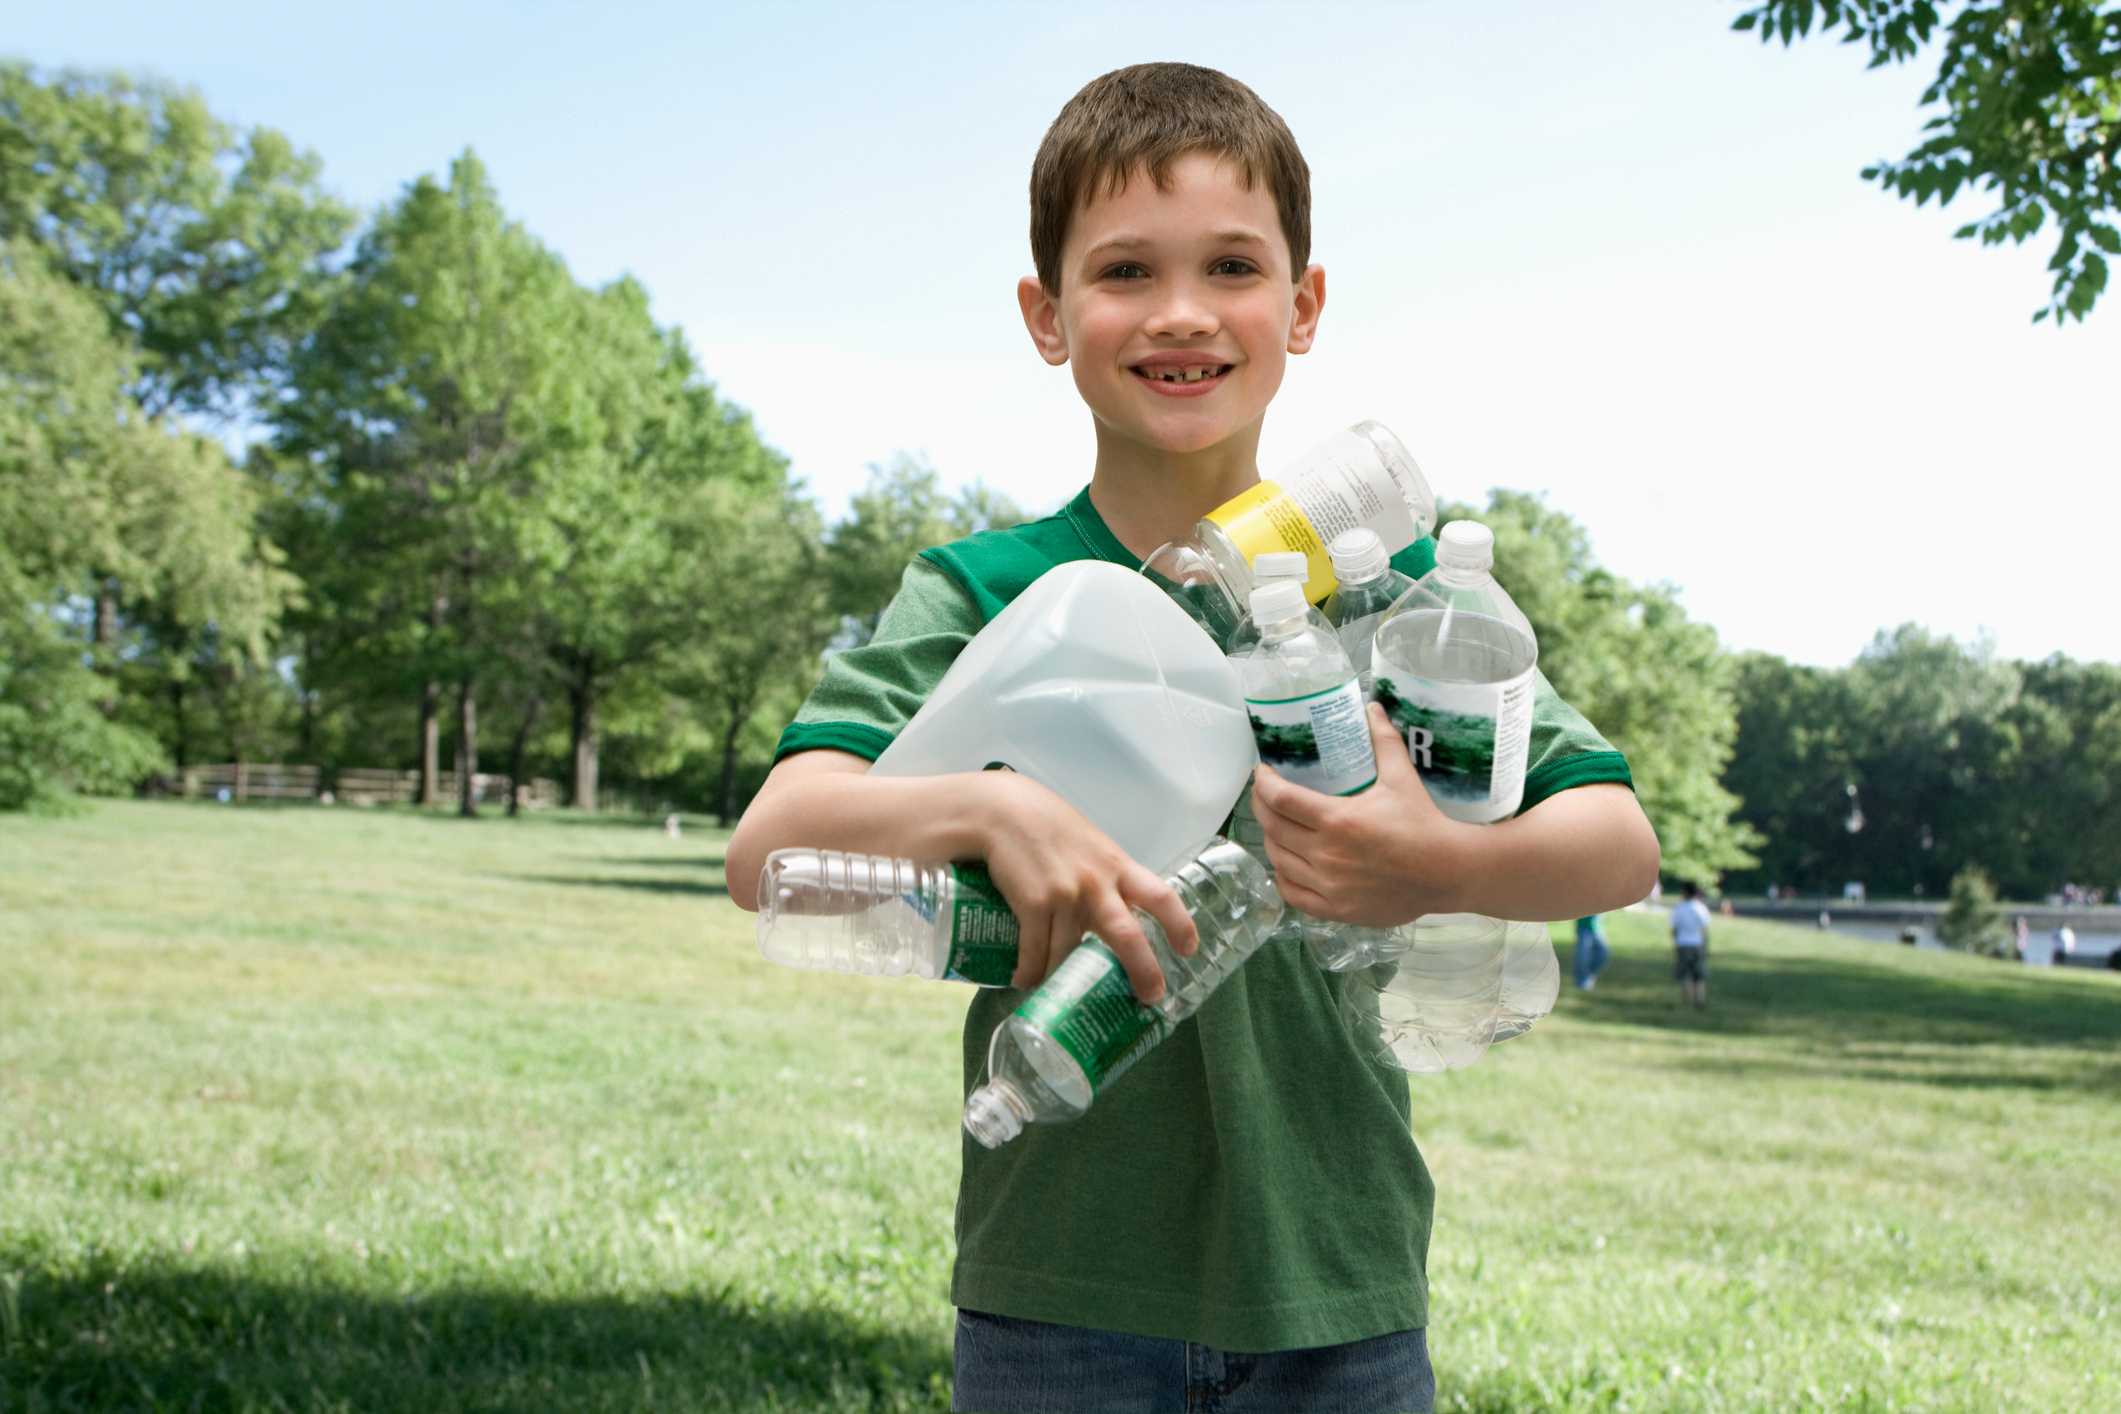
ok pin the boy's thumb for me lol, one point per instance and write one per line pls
(1390, 746)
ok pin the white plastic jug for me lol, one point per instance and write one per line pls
(1095, 685)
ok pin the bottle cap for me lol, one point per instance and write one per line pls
(1358, 555)
(1465, 545)
(1281, 564)
(1278, 599)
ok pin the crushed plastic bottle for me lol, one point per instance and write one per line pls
(1362, 475)
(876, 916)
(1083, 1027)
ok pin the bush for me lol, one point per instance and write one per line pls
(1971, 921)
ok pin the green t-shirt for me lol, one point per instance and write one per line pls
(1253, 1182)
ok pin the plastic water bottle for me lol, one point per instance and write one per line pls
(1368, 586)
(1436, 1006)
(1281, 564)
(1083, 1027)
(876, 916)
(1093, 684)
(1307, 719)
(872, 915)
(1453, 661)
(1531, 979)
(1362, 475)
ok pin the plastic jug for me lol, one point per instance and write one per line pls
(1093, 683)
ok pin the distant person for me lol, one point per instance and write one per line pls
(1690, 947)
(1591, 951)
(2023, 930)
(2065, 945)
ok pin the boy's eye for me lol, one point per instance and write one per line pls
(1126, 270)
(1232, 266)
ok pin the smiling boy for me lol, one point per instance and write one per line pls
(1244, 1223)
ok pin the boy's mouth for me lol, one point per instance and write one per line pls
(1177, 378)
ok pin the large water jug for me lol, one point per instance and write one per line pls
(1096, 685)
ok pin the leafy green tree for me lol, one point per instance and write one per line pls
(1790, 769)
(1656, 684)
(93, 490)
(2030, 92)
(1971, 921)
(900, 512)
(203, 246)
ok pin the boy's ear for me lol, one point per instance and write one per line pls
(1310, 299)
(1042, 318)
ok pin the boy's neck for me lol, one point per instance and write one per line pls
(1147, 497)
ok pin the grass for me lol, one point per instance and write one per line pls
(314, 1109)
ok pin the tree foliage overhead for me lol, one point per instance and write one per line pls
(2031, 93)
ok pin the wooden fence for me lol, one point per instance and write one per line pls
(243, 780)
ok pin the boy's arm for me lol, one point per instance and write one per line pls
(1389, 855)
(1062, 876)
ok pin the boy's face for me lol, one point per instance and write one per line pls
(1177, 309)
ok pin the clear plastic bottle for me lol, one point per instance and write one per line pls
(1280, 564)
(1307, 718)
(1362, 475)
(876, 916)
(1531, 979)
(1080, 1030)
(1435, 1007)
(1367, 586)
(1453, 663)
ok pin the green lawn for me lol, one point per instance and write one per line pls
(324, 1109)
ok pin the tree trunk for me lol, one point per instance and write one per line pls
(727, 813)
(430, 741)
(520, 745)
(431, 715)
(467, 748)
(181, 719)
(583, 698)
(106, 613)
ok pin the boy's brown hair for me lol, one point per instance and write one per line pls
(1144, 118)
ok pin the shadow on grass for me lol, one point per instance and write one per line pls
(1870, 1018)
(158, 1336)
(607, 881)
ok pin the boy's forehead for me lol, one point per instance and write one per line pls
(1201, 190)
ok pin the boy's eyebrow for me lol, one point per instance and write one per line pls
(1233, 235)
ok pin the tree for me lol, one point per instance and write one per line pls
(2031, 93)
(1656, 684)
(93, 490)
(900, 512)
(1971, 921)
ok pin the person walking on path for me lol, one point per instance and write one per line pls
(1690, 947)
(1591, 951)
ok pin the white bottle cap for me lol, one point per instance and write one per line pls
(1281, 564)
(1278, 599)
(1358, 555)
(1465, 545)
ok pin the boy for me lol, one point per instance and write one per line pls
(1243, 1222)
(1690, 947)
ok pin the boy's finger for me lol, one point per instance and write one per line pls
(1160, 901)
(1292, 802)
(1122, 932)
(1031, 935)
(1061, 938)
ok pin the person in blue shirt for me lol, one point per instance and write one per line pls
(1690, 947)
(1591, 951)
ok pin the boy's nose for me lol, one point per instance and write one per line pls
(1182, 313)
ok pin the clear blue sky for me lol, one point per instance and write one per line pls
(1613, 253)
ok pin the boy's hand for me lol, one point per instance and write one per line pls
(1064, 877)
(1378, 859)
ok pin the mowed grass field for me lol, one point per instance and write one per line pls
(330, 1109)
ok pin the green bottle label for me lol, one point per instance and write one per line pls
(983, 931)
(1089, 1007)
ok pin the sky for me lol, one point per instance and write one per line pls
(1614, 254)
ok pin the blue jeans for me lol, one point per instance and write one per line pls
(1006, 1365)
(1591, 954)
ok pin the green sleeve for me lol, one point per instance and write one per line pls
(1567, 750)
(868, 694)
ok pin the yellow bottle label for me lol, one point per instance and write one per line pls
(1267, 520)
